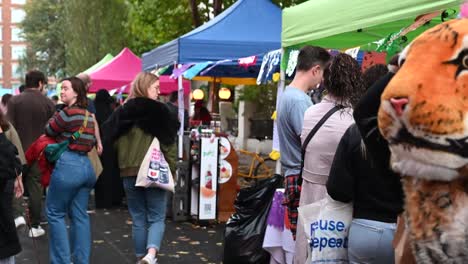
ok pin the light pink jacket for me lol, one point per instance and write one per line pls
(321, 149)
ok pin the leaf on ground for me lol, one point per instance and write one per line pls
(129, 222)
(161, 254)
(199, 254)
(212, 232)
(174, 242)
(182, 252)
(174, 256)
(204, 259)
(194, 242)
(106, 213)
(219, 244)
(125, 235)
(107, 232)
(183, 238)
(98, 241)
(178, 228)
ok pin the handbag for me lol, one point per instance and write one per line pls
(326, 224)
(95, 162)
(54, 151)
(154, 171)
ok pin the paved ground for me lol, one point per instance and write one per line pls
(112, 241)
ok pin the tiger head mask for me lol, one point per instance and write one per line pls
(424, 108)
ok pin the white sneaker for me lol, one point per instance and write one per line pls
(19, 221)
(148, 259)
(36, 232)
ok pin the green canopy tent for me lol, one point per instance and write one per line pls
(341, 24)
(102, 62)
(91, 69)
(345, 24)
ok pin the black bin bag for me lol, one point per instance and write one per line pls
(245, 229)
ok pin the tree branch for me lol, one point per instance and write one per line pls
(195, 14)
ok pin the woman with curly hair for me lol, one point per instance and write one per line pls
(344, 86)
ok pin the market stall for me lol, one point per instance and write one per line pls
(209, 53)
(351, 26)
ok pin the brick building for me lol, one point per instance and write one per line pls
(12, 44)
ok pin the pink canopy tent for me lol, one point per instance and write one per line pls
(122, 69)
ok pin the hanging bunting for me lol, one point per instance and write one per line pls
(393, 43)
(292, 62)
(176, 72)
(197, 68)
(270, 64)
(214, 65)
(372, 58)
(353, 52)
(247, 61)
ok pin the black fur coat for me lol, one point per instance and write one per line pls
(152, 117)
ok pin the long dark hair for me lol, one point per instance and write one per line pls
(4, 122)
(79, 87)
(343, 79)
(103, 103)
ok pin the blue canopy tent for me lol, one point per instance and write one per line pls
(247, 28)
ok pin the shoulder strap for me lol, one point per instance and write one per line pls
(78, 133)
(312, 133)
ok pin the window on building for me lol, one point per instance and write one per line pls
(15, 72)
(16, 34)
(17, 51)
(17, 15)
(18, 2)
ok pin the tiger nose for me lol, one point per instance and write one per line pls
(399, 104)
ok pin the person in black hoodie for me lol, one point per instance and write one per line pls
(361, 174)
(108, 191)
(10, 169)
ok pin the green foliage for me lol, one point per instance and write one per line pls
(152, 23)
(68, 36)
(43, 30)
(93, 29)
(264, 97)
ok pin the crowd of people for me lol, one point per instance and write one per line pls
(30, 121)
(346, 158)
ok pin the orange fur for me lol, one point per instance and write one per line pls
(434, 80)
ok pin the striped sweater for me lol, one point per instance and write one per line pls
(66, 122)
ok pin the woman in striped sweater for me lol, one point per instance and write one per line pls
(72, 179)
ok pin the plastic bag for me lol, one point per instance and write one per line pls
(245, 229)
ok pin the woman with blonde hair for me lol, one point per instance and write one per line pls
(129, 132)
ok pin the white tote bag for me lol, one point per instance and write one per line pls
(326, 223)
(154, 170)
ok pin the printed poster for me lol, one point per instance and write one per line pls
(208, 178)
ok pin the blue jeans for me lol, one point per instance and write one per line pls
(147, 206)
(70, 184)
(371, 242)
